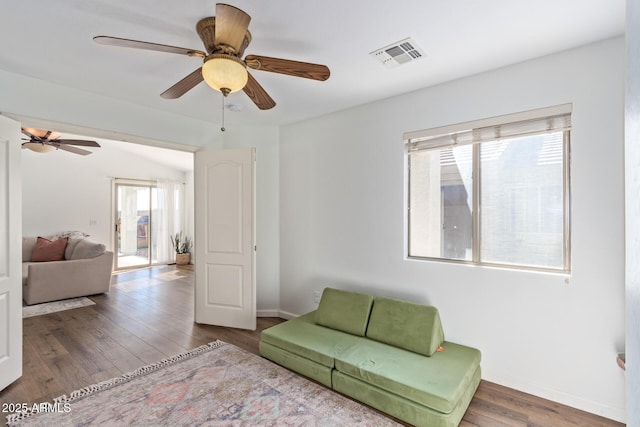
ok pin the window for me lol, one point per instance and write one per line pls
(492, 192)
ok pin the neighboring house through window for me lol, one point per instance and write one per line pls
(492, 192)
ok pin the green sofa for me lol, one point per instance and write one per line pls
(387, 353)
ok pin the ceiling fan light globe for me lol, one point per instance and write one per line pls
(39, 147)
(221, 71)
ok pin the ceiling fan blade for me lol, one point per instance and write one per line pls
(231, 26)
(81, 142)
(72, 149)
(184, 85)
(31, 132)
(258, 95)
(40, 134)
(289, 67)
(137, 44)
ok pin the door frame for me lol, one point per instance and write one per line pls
(114, 212)
(10, 258)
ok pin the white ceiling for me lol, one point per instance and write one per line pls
(52, 41)
(179, 160)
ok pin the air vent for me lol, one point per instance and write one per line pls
(398, 53)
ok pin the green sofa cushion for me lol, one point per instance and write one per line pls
(299, 364)
(401, 408)
(345, 311)
(303, 337)
(437, 382)
(413, 327)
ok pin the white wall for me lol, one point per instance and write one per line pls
(632, 184)
(342, 220)
(64, 191)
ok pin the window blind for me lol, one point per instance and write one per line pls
(534, 122)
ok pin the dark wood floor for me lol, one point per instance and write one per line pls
(148, 316)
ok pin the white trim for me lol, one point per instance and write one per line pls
(286, 315)
(539, 390)
(267, 313)
(135, 182)
(276, 313)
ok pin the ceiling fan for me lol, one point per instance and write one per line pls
(225, 37)
(43, 141)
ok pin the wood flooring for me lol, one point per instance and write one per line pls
(148, 316)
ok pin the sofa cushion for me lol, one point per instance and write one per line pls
(397, 406)
(345, 311)
(437, 382)
(28, 243)
(49, 250)
(403, 324)
(87, 249)
(303, 337)
(25, 272)
(72, 234)
(71, 245)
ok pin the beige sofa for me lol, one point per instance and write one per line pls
(85, 270)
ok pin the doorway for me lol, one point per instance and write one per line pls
(134, 237)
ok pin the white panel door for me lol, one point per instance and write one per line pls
(10, 253)
(225, 292)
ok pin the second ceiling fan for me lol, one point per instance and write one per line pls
(43, 141)
(225, 37)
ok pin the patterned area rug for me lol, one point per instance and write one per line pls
(52, 307)
(215, 385)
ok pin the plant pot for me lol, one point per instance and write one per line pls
(182, 259)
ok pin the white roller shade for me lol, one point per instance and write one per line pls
(534, 122)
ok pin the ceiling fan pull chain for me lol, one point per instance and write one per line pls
(222, 128)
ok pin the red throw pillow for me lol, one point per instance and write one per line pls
(48, 250)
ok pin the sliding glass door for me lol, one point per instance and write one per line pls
(147, 214)
(135, 205)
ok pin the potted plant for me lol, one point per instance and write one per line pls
(182, 245)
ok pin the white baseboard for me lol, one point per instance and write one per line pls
(287, 315)
(613, 413)
(276, 313)
(267, 313)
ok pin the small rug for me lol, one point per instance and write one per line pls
(52, 307)
(217, 384)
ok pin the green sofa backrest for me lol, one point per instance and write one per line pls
(345, 311)
(406, 325)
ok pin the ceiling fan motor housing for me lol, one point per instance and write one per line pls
(206, 29)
